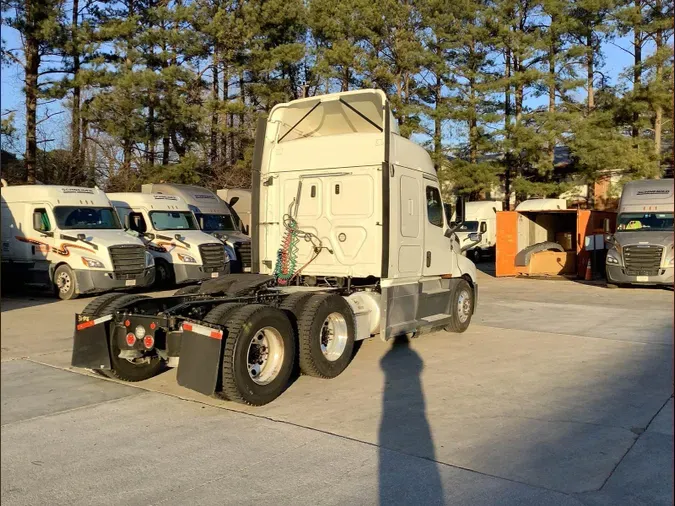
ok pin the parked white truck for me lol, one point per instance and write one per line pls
(183, 253)
(481, 216)
(239, 200)
(641, 250)
(214, 217)
(69, 238)
(350, 241)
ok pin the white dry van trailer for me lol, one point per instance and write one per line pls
(183, 253)
(641, 249)
(69, 238)
(481, 216)
(214, 217)
(350, 241)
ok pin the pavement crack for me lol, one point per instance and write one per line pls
(611, 473)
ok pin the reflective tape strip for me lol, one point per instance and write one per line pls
(205, 331)
(91, 323)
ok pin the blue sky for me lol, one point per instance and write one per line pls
(56, 128)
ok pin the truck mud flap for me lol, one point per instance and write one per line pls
(90, 342)
(200, 358)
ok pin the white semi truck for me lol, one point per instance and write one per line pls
(214, 217)
(481, 216)
(70, 239)
(641, 250)
(183, 253)
(350, 242)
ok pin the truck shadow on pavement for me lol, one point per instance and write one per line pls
(404, 424)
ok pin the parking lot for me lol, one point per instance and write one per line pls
(559, 393)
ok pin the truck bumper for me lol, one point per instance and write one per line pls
(99, 281)
(617, 275)
(192, 273)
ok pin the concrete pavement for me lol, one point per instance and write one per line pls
(529, 406)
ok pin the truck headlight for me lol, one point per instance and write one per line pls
(231, 255)
(186, 258)
(93, 263)
(671, 262)
(149, 259)
(612, 258)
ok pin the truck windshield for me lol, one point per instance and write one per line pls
(645, 222)
(71, 217)
(216, 222)
(173, 220)
(468, 226)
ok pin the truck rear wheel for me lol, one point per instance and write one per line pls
(461, 307)
(97, 306)
(326, 332)
(257, 356)
(121, 368)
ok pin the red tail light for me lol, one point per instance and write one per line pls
(148, 341)
(131, 339)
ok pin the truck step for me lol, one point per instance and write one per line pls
(435, 317)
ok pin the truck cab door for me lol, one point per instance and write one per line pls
(42, 234)
(438, 258)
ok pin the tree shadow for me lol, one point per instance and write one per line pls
(403, 426)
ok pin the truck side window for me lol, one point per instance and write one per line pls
(434, 206)
(41, 220)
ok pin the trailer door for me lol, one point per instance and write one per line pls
(507, 243)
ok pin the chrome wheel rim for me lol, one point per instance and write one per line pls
(464, 306)
(265, 356)
(334, 336)
(64, 282)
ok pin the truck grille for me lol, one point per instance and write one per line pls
(128, 261)
(642, 260)
(243, 251)
(213, 257)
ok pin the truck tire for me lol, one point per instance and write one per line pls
(292, 306)
(257, 356)
(65, 282)
(121, 368)
(326, 332)
(97, 306)
(187, 290)
(164, 275)
(220, 314)
(461, 307)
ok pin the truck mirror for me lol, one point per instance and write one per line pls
(233, 201)
(246, 229)
(483, 227)
(475, 237)
(605, 225)
(37, 220)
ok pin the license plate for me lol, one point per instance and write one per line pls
(247, 269)
(131, 282)
(642, 279)
(214, 274)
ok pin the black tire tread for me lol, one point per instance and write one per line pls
(187, 290)
(234, 325)
(306, 318)
(219, 314)
(455, 325)
(98, 305)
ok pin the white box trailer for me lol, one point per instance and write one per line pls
(350, 241)
(215, 217)
(183, 253)
(69, 238)
(641, 250)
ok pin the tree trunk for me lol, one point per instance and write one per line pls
(126, 165)
(166, 147)
(473, 113)
(215, 95)
(552, 87)
(637, 68)
(32, 55)
(438, 124)
(507, 130)
(658, 109)
(75, 124)
(242, 118)
(150, 148)
(227, 136)
(590, 70)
